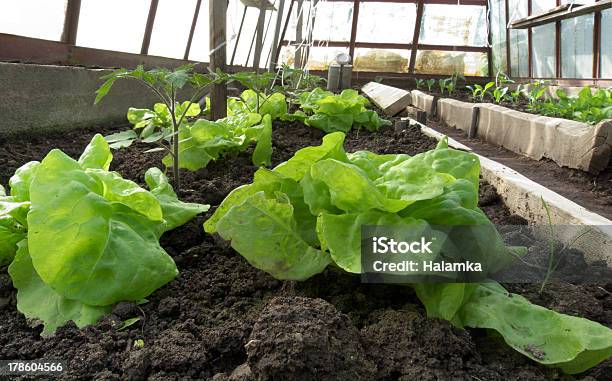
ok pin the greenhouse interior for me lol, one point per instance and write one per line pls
(250, 190)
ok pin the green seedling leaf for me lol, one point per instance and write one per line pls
(128, 323)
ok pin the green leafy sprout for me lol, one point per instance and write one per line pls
(161, 125)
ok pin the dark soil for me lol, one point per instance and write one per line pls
(222, 319)
(593, 192)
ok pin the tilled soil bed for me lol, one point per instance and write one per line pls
(222, 319)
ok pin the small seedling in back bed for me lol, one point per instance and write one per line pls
(430, 84)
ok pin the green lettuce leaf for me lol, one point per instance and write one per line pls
(175, 212)
(571, 343)
(37, 300)
(261, 226)
(262, 155)
(79, 240)
(97, 154)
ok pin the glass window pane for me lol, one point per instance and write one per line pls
(577, 47)
(319, 57)
(305, 13)
(498, 35)
(387, 60)
(200, 48)
(439, 62)
(333, 21)
(540, 6)
(606, 44)
(171, 28)
(113, 24)
(519, 45)
(543, 51)
(453, 25)
(33, 18)
(386, 22)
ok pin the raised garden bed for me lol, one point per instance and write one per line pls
(223, 319)
(568, 143)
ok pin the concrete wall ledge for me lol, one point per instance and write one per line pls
(568, 143)
(45, 98)
(524, 196)
(422, 100)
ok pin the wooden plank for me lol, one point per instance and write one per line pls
(146, 39)
(297, 59)
(71, 22)
(597, 45)
(548, 18)
(392, 45)
(355, 20)
(218, 94)
(32, 50)
(474, 123)
(389, 99)
(416, 113)
(277, 31)
(259, 34)
(282, 36)
(415, 36)
(489, 42)
(194, 22)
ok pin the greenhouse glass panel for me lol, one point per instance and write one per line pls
(439, 62)
(543, 51)
(498, 35)
(200, 46)
(519, 45)
(387, 60)
(169, 37)
(606, 44)
(127, 29)
(453, 25)
(296, 13)
(269, 24)
(333, 21)
(386, 22)
(33, 18)
(246, 44)
(577, 47)
(319, 58)
(541, 6)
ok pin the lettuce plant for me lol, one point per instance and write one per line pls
(307, 213)
(294, 80)
(162, 125)
(329, 112)
(588, 106)
(204, 140)
(250, 101)
(258, 83)
(80, 238)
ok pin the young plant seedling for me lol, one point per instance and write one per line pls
(430, 84)
(442, 83)
(260, 83)
(499, 93)
(163, 123)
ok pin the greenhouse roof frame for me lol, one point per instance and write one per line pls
(66, 52)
